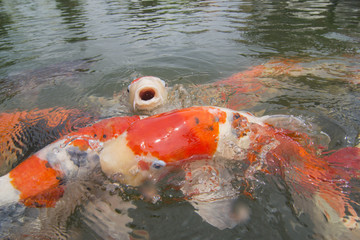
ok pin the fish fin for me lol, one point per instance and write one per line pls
(288, 122)
(208, 186)
(223, 213)
(346, 161)
(308, 131)
(108, 216)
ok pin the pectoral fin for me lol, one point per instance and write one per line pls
(223, 213)
(108, 216)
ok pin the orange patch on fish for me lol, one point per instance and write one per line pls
(178, 135)
(34, 177)
(240, 124)
(82, 144)
(135, 80)
(45, 199)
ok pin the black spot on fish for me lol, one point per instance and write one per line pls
(95, 135)
(61, 180)
(236, 116)
(197, 120)
(104, 136)
(47, 165)
(38, 205)
(78, 157)
(210, 128)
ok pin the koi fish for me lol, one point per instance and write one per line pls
(23, 132)
(244, 89)
(39, 181)
(197, 140)
(147, 95)
(151, 147)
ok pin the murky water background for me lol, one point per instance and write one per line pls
(63, 52)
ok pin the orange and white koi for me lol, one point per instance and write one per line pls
(134, 151)
(146, 95)
(39, 181)
(198, 133)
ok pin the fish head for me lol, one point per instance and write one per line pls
(120, 163)
(147, 93)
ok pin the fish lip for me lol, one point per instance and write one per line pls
(146, 96)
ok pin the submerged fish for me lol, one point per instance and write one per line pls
(149, 95)
(23, 132)
(197, 140)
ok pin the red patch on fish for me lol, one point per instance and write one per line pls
(135, 80)
(178, 135)
(143, 165)
(34, 177)
(46, 199)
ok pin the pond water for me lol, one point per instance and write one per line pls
(63, 52)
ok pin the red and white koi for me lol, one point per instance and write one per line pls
(134, 151)
(39, 181)
(200, 133)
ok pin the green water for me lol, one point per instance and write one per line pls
(61, 52)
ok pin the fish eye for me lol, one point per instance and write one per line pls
(157, 164)
(128, 88)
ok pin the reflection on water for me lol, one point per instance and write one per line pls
(73, 14)
(79, 53)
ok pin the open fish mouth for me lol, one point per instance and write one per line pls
(147, 98)
(147, 94)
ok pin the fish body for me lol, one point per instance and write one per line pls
(170, 138)
(197, 140)
(40, 180)
(245, 89)
(146, 95)
(152, 146)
